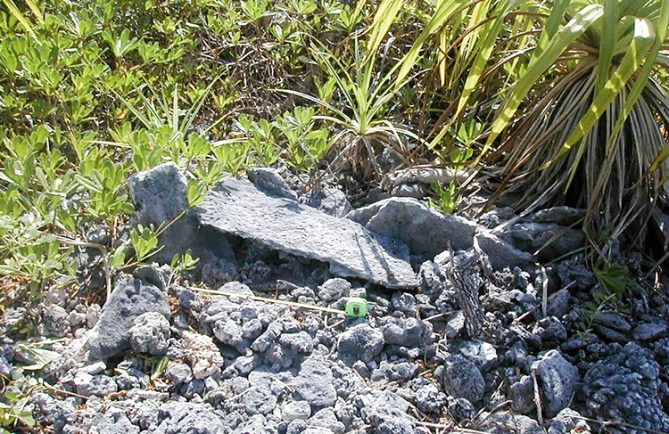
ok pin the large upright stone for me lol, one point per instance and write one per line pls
(160, 197)
(426, 231)
(237, 207)
(129, 299)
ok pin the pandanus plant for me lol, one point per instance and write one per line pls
(594, 135)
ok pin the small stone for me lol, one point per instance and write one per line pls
(269, 181)
(230, 333)
(462, 379)
(326, 418)
(455, 325)
(314, 383)
(130, 299)
(94, 385)
(461, 409)
(568, 421)
(150, 333)
(333, 289)
(482, 354)
(56, 321)
(259, 400)
(561, 215)
(202, 354)
(360, 342)
(407, 332)
(154, 274)
(404, 302)
(558, 303)
(612, 320)
(400, 371)
(429, 400)
(114, 422)
(179, 373)
(297, 342)
(187, 417)
(558, 380)
(502, 254)
(650, 331)
(522, 395)
(296, 410)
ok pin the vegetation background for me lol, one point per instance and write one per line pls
(550, 102)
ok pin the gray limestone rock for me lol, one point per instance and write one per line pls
(269, 181)
(331, 201)
(94, 385)
(651, 331)
(625, 387)
(259, 400)
(159, 196)
(115, 422)
(295, 410)
(188, 418)
(558, 380)
(462, 379)
(502, 254)
(150, 333)
(550, 240)
(56, 321)
(482, 354)
(561, 215)
(314, 383)
(325, 418)
(360, 342)
(426, 231)
(237, 207)
(333, 289)
(522, 395)
(129, 299)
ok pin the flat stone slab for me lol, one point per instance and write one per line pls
(237, 207)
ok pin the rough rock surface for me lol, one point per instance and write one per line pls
(558, 381)
(502, 254)
(361, 342)
(462, 379)
(625, 387)
(129, 299)
(329, 200)
(269, 181)
(160, 195)
(150, 333)
(237, 207)
(426, 231)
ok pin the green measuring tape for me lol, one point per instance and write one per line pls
(356, 307)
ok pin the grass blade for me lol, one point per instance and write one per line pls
(383, 19)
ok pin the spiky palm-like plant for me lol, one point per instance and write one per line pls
(597, 136)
